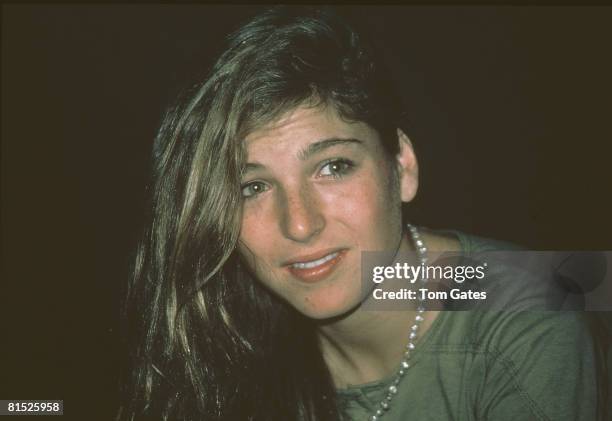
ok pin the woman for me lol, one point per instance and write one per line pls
(270, 180)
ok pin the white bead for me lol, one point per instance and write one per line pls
(385, 403)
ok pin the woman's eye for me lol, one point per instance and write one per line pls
(336, 168)
(253, 189)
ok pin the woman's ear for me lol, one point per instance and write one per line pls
(408, 168)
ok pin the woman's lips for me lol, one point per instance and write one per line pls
(317, 269)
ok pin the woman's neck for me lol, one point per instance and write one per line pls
(366, 345)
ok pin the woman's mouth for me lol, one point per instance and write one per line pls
(317, 269)
(315, 263)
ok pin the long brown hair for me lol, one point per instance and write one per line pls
(205, 340)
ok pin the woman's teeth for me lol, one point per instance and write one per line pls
(314, 263)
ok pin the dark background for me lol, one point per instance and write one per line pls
(509, 110)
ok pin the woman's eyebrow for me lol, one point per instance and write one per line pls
(251, 166)
(310, 150)
(320, 145)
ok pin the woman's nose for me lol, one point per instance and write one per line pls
(302, 217)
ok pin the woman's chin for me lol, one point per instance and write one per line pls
(328, 304)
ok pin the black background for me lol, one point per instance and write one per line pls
(509, 110)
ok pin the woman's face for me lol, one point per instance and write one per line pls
(317, 192)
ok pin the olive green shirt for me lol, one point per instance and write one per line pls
(490, 365)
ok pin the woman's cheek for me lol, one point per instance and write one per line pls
(360, 200)
(254, 213)
(248, 228)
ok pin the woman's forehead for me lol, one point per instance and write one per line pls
(308, 124)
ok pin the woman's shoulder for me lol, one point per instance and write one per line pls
(452, 240)
(518, 304)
